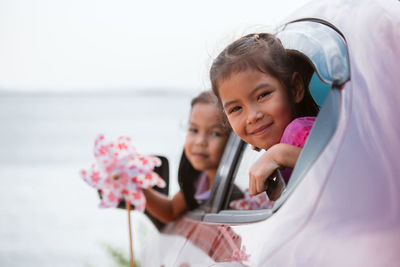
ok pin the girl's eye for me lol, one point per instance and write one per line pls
(215, 133)
(234, 109)
(192, 130)
(263, 95)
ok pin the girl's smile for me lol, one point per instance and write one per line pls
(257, 106)
(261, 130)
(199, 155)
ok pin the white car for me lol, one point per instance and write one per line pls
(342, 204)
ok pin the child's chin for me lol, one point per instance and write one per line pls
(258, 145)
(261, 145)
(198, 166)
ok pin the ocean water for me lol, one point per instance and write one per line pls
(48, 215)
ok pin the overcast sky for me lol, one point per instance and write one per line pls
(63, 45)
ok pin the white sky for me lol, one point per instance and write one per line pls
(63, 45)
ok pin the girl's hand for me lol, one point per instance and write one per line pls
(260, 171)
(277, 156)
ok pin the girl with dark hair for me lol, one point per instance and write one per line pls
(205, 142)
(264, 92)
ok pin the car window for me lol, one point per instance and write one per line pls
(322, 44)
(238, 197)
(326, 49)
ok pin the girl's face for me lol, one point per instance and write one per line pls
(206, 138)
(257, 107)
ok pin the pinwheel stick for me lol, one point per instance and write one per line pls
(128, 208)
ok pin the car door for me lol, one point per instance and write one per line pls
(250, 237)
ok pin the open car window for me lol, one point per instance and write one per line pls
(326, 49)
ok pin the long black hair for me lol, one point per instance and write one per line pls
(187, 175)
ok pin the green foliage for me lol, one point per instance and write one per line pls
(119, 258)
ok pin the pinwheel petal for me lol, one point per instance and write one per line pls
(94, 177)
(110, 197)
(144, 162)
(136, 198)
(148, 180)
(121, 148)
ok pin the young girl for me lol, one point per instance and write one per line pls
(205, 142)
(264, 92)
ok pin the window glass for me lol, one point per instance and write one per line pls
(323, 45)
(239, 198)
(318, 89)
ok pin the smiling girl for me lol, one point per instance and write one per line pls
(264, 92)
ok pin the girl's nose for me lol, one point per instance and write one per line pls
(201, 140)
(253, 116)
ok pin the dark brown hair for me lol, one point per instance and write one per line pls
(205, 97)
(264, 52)
(208, 97)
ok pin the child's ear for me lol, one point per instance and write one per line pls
(298, 87)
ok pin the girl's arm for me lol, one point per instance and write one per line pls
(279, 155)
(164, 208)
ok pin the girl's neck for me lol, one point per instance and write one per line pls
(210, 176)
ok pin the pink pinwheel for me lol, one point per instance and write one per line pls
(121, 172)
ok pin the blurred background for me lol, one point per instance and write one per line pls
(70, 70)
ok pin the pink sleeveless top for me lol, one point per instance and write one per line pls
(296, 134)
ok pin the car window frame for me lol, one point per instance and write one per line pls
(326, 123)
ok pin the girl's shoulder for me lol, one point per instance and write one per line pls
(297, 131)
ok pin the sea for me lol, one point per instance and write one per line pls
(48, 215)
